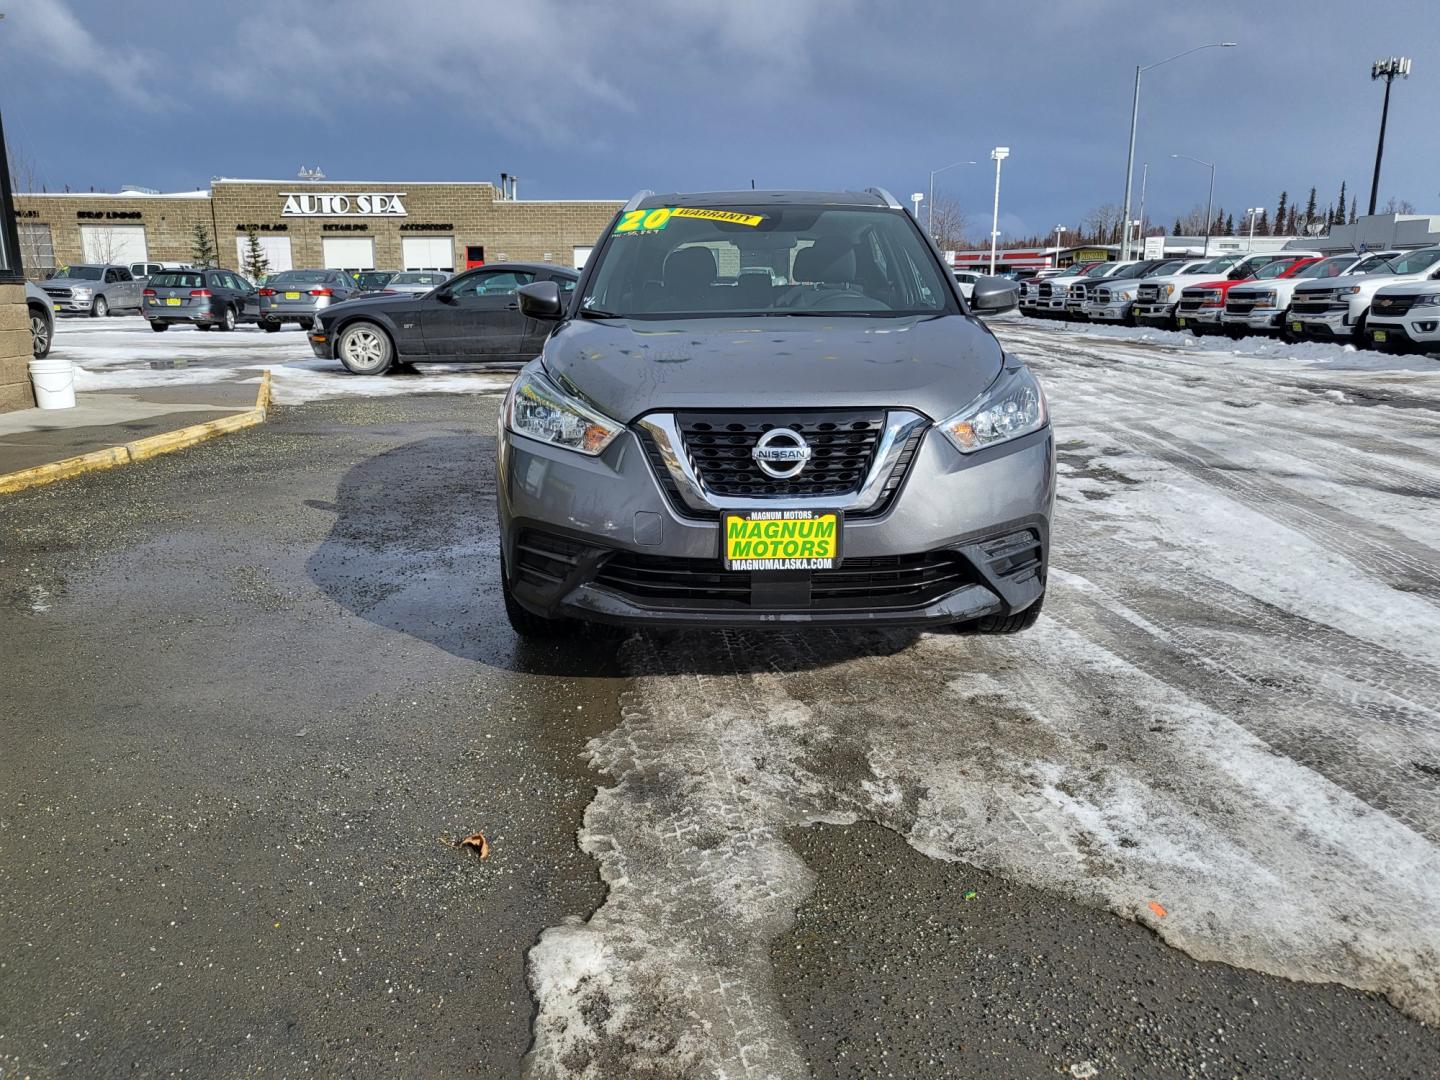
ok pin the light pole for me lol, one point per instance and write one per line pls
(1254, 212)
(1209, 199)
(930, 212)
(1135, 116)
(917, 199)
(1387, 70)
(1058, 230)
(1144, 183)
(999, 154)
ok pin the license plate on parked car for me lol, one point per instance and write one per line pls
(1297, 327)
(1382, 335)
(172, 301)
(761, 540)
(292, 296)
(1179, 322)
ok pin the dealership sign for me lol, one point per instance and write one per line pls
(370, 204)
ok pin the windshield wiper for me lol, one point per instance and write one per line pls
(599, 313)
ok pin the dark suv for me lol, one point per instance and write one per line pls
(221, 299)
(771, 409)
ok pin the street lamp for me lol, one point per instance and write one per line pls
(1254, 212)
(999, 154)
(930, 213)
(1387, 70)
(917, 199)
(1135, 116)
(1209, 199)
(1058, 230)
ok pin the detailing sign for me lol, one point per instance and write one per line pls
(370, 204)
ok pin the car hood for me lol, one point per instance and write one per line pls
(370, 301)
(1364, 281)
(70, 282)
(933, 364)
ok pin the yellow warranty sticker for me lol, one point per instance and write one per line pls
(648, 221)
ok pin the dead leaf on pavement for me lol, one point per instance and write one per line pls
(476, 842)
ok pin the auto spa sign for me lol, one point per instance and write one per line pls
(334, 204)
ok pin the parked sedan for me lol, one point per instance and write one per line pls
(42, 320)
(475, 316)
(204, 298)
(417, 282)
(297, 296)
(94, 289)
(372, 281)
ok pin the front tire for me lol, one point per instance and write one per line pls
(159, 327)
(1009, 624)
(526, 623)
(365, 349)
(40, 334)
(99, 308)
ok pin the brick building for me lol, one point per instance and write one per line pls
(346, 225)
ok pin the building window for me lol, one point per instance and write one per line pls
(37, 250)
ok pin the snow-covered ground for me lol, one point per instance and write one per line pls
(125, 352)
(1226, 726)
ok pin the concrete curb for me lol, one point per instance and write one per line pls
(141, 449)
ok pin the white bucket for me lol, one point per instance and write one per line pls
(54, 383)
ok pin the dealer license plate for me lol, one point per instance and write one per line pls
(1179, 322)
(1382, 335)
(57, 307)
(763, 540)
(292, 296)
(1297, 327)
(172, 301)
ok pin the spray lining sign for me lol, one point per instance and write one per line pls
(650, 221)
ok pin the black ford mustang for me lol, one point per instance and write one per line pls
(475, 316)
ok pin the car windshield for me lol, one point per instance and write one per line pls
(418, 279)
(1416, 262)
(374, 279)
(302, 277)
(666, 262)
(1274, 269)
(1325, 268)
(177, 281)
(83, 273)
(1375, 264)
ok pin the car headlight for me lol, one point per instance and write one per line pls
(1125, 294)
(540, 410)
(1013, 406)
(1169, 290)
(80, 292)
(1266, 299)
(1427, 301)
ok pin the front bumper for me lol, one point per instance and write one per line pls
(1206, 317)
(1154, 313)
(1255, 319)
(70, 306)
(951, 511)
(1331, 324)
(1407, 331)
(1114, 312)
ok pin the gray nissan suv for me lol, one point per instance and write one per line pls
(769, 409)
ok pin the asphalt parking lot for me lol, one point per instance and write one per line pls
(1185, 827)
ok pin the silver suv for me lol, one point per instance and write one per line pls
(699, 445)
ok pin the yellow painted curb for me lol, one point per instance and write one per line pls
(141, 449)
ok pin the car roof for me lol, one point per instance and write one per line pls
(548, 268)
(751, 197)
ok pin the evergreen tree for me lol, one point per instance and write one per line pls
(1179, 230)
(202, 247)
(1353, 216)
(1339, 216)
(1229, 224)
(1217, 227)
(255, 264)
(1292, 227)
(1262, 223)
(1310, 208)
(1280, 214)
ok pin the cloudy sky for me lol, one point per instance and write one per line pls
(586, 99)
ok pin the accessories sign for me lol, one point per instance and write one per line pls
(369, 204)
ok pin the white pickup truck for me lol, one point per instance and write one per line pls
(1113, 298)
(1263, 306)
(1405, 316)
(1051, 298)
(1157, 297)
(1323, 309)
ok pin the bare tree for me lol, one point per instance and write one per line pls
(1102, 225)
(948, 224)
(1398, 206)
(102, 244)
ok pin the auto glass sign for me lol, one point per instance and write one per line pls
(334, 204)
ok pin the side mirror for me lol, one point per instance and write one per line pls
(541, 300)
(445, 295)
(994, 295)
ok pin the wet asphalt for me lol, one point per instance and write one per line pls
(248, 694)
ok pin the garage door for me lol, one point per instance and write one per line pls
(579, 256)
(276, 249)
(350, 253)
(429, 253)
(113, 243)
